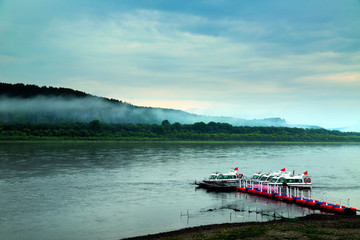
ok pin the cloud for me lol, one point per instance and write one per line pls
(345, 77)
(141, 49)
(141, 45)
(241, 57)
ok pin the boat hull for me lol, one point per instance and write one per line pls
(216, 186)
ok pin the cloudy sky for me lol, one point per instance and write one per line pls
(298, 60)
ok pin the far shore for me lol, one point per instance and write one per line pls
(316, 226)
(59, 140)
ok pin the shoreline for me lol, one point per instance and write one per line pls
(54, 140)
(314, 226)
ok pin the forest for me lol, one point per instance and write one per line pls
(200, 131)
(30, 112)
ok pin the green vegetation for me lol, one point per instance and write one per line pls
(200, 131)
(67, 122)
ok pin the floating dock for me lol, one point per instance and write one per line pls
(293, 195)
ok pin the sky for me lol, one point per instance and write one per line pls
(298, 60)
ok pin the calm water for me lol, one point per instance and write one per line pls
(117, 190)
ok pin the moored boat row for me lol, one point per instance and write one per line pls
(282, 178)
(258, 180)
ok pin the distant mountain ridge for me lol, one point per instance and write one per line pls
(31, 103)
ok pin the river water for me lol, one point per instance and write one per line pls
(114, 190)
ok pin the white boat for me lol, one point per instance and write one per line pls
(261, 177)
(290, 179)
(221, 181)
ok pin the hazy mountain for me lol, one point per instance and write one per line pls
(31, 103)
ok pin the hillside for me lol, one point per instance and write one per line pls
(21, 103)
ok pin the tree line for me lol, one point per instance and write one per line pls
(200, 131)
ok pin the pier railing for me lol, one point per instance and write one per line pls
(301, 196)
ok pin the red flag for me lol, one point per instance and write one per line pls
(283, 170)
(236, 169)
(305, 173)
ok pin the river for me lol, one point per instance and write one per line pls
(109, 190)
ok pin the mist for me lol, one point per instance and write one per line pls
(43, 109)
(58, 109)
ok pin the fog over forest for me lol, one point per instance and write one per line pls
(21, 103)
(55, 109)
(64, 109)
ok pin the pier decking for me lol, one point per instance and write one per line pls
(298, 196)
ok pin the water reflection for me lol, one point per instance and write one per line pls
(244, 207)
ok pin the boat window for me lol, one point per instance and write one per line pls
(274, 180)
(263, 178)
(282, 180)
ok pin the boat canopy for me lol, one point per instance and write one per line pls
(221, 176)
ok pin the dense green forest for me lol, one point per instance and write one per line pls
(96, 130)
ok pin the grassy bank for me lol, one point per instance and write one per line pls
(308, 227)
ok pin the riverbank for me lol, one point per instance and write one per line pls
(309, 227)
(69, 140)
(96, 130)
